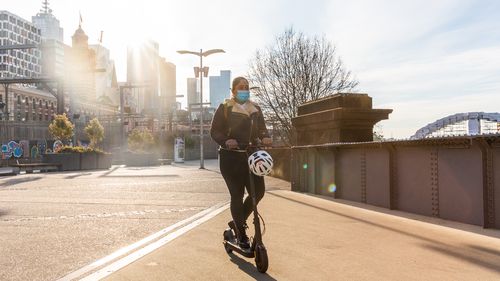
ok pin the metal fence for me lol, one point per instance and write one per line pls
(16, 130)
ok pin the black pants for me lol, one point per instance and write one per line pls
(234, 169)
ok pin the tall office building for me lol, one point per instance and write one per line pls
(105, 76)
(53, 56)
(220, 88)
(25, 63)
(48, 24)
(168, 85)
(52, 46)
(193, 92)
(143, 69)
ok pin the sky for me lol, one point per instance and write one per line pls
(423, 59)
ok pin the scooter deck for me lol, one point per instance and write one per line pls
(249, 253)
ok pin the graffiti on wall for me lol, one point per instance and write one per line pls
(11, 149)
(25, 149)
(57, 145)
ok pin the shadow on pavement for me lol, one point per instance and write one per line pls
(140, 168)
(78, 175)
(249, 268)
(3, 213)
(481, 260)
(19, 180)
(459, 253)
(494, 233)
(494, 252)
(140, 176)
(110, 171)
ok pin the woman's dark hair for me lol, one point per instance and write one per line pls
(237, 80)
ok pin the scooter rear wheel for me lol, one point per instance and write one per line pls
(261, 260)
(228, 236)
(228, 249)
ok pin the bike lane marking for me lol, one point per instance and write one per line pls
(191, 222)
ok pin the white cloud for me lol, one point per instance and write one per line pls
(425, 60)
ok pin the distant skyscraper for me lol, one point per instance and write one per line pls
(168, 85)
(52, 42)
(105, 76)
(53, 56)
(220, 88)
(193, 94)
(143, 68)
(48, 24)
(15, 30)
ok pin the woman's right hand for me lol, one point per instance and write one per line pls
(231, 144)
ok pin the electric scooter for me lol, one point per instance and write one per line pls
(257, 249)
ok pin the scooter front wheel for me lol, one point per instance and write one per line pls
(261, 260)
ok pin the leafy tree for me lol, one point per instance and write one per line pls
(293, 70)
(61, 128)
(140, 140)
(377, 133)
(95, 132)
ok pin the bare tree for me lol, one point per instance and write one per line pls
(294, 70)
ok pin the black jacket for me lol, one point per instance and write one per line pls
(231, 122)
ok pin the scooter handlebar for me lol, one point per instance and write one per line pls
(248, 148)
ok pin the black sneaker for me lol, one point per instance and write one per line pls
(243, 240)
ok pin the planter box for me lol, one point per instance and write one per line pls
(69, 161)
(88, 161)
(79, 161)
(138, 159)
(104, 160)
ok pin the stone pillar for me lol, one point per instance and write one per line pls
(337, 118)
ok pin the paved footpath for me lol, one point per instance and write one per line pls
(52, 224)
(307, 237)
(317, 238)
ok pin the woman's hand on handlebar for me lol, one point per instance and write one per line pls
(231, 144)
(267, 142)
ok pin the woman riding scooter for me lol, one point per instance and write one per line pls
(231, 129)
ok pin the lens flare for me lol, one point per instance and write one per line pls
(304, 166)
(332, 188)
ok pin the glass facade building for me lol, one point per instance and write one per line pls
(220, 88)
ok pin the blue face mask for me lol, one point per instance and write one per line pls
(242, 96)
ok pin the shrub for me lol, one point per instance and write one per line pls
(61, 128)
(79, 149)
(95, 132)
(140, 141)
(189, 142)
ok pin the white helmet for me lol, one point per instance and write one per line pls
(260, 163)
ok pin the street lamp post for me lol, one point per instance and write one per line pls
(122, 112)
(201, 72)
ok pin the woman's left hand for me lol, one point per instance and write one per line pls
(267, 141)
